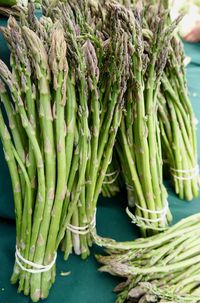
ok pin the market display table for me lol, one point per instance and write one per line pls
(85, 284)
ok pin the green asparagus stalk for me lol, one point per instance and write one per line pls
(9, 156)
(59, 68)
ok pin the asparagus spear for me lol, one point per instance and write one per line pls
(11, 161)
(59, 68)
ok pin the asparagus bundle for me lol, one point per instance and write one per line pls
(138, 142)
(178, 125)
(106, 71)
(162, 268)
(41, 145)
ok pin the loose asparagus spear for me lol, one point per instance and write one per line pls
(165, 269)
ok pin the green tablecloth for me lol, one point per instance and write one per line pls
(85, 284)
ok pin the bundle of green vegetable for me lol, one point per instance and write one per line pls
(35, 147)
(102, 90)
(178, 125)
(82, 76)
(138, 140)
(162, 268)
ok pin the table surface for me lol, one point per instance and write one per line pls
(85, 284)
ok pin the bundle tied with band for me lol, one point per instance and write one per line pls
(83, 230)
(35, 267)
(178, 125)
(188, 174)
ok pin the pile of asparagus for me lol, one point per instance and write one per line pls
(34, 146)
(138, 141)
(105, 102)
(178, 125)
(162, 268)
(85, 78)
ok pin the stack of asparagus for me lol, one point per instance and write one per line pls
(78, 75)
(34, 146)
(178, 125)
(162, 268)
(138, 142)
(106, 87)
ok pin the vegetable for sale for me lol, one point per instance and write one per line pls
(161, 268)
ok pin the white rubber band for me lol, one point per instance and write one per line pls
(195, 172)
(113, 180)
(161, 219)
(36, 268)
(159, 212)
(162, 213)
(185, 171)
(83, 230)
(111, 174)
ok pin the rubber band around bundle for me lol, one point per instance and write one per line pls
(36, 268)
(113, 180)
(83, 230)
(162, 213)
(195, 172)
(111, 174)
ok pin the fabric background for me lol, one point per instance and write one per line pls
(85, 284)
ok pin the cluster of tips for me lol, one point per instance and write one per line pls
(85, 79)
(163, 268)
